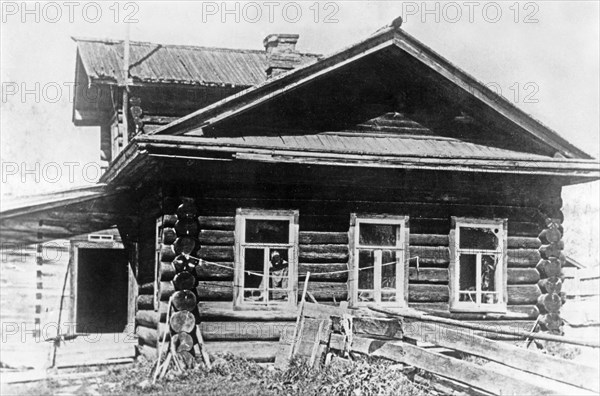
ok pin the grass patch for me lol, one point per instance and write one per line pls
(238, 377)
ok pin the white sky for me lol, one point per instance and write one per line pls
(558, 53)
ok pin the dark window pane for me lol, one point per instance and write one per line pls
(388, 269)
(467, 276)
(377, 234)
(267, 231)
(366, 275)
(478, 238)
(254, 263)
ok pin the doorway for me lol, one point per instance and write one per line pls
(102, 289)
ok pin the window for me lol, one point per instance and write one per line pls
(379, 262)
(266, 260)
(478, 265)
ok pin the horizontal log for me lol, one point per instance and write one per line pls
(325, 291)
(169, 220)
(247, 331)
(439, 253)
(147, 318)
(317, 238)
(258, 351)
(216, 237)
(167, 254)
(428, 293)
(214, 291)
(145, 302)
(523, 242)
(322, 271)
(166, 289)
(168, 236)
(224, 311)
(187, 227)
(167, 271)
(428, 240)
(521, 258)
(216, 253)
(430, 275)
(523, 294)
(323, 253)
(147, 335)
(146, 288)
(517, 276)
(217, 223)
(551, 250)
(222, 271)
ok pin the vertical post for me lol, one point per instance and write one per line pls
(126, 89)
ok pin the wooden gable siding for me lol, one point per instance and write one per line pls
(323, 248)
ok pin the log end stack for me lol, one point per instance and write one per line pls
(551, 277)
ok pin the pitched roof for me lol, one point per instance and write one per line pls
(403, 55)
(180, 64)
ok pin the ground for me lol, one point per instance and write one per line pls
(235, 376)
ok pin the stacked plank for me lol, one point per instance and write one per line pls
(549, 267)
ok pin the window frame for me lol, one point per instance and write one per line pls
(455, 304)
(240, 244)
(401, 248)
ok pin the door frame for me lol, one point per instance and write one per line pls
(87, 242)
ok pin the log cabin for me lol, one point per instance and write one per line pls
(390, 175)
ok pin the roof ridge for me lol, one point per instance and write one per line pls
(184, 46)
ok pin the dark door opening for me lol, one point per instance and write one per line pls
(102, 282)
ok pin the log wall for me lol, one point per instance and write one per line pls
(323, 248)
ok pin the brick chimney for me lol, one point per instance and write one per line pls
(281, 53)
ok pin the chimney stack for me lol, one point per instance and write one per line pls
(281, 53)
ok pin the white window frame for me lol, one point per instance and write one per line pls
(500, 275)
(402, 259)
(240, 245)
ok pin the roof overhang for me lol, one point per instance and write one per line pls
(145, 152)
(63, 214)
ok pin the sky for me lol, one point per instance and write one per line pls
(542, 56)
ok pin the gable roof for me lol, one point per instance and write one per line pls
(390, 47)
(178, 64)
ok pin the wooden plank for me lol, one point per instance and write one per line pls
(147, 318)
(258, 351)
(317, 238)
(320, 311)
(469, 373)
(513, 312)
(247, 331)
(372, 326)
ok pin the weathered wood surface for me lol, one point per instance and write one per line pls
(150, 353)
(247, 330)
(210, 271)
(431, 275)
(216, 253)
(517, 276)
(182, 321)
(470, 373)
(214, 291)
(184, 300)
(372, 326)
(323, 271)
(428, 293)
(145, 302)
(443, 240)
